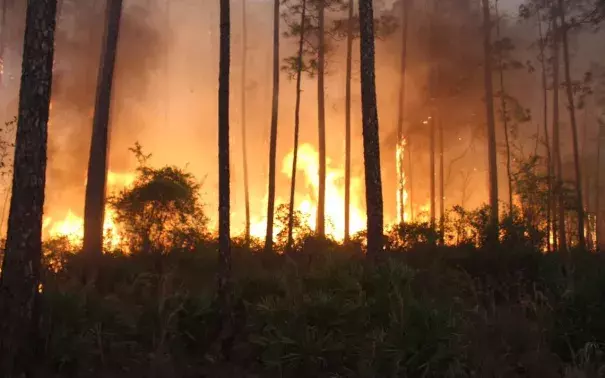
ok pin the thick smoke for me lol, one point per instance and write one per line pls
(79, 36)
(165, 95)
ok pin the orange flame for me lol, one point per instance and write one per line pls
(401, 182)
(306, 203)
(71, 226)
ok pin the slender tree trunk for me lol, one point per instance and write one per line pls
(586, 178)
(400, 118)
(244, 149)
(301, 43)
(371, 144)
(273, 138)
(599, 190)
(23, 249)
(224, 194)
(549, 204)
(441, 186)
(574, 126)
(94, 206)
(321, 113)
(503, 108)
(432, 171)
(348, 123)
(557, 142)
(410, 177)
(491, 125)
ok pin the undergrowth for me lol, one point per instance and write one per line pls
(435, 312)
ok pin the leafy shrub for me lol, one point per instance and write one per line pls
(162, 210)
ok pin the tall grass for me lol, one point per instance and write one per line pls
(433, 312)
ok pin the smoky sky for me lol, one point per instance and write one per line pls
(166, 80)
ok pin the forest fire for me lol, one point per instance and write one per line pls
(72, 228)
(335, 204)
(305, 199)
(402, 193)
(71, 225)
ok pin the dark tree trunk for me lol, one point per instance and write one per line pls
(273, 137)
(296, 123)
(503, 108)
(400, 118)
(224, 194)
(243, 99)
(23, 249)
(371, 145)
(441, 186)
(348, 123)
(321, 122)
(433, 201)
(491, 125)
(599, 189)
(410, 177)
(574, 126)
(549, 203)
(587, 192)
(557, 142)
(94, 206)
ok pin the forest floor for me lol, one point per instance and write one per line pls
(433, 312)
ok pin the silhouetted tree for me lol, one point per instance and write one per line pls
(321, 122)
(547, 145)
(23, 249)
(503, 108)
(564, 27)
(273, 137)
(224, 209)
(243, 118)
(405, 12)
(348, 122)
(299, 69)
(432, 184)
(94, 206)
(491, 124)
(371, 144)
(562, 243)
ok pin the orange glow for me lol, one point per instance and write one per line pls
(71, 225)
(72, 228)
(308, 164)
(401, 181)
